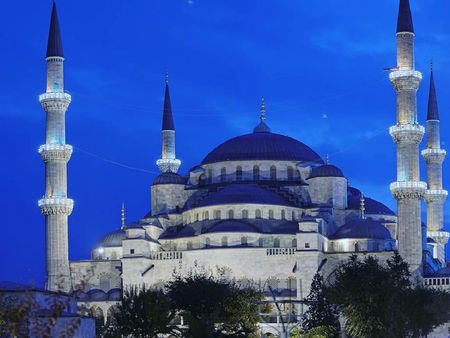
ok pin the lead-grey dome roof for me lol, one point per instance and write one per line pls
(262, 146)
(362, 229)
(113, 239)
(326, 170)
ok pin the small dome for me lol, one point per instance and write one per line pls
(364, 229)
(243, 193)
(262, 145)
(169, 178)
(113, 239)
(326, 170)
(372, 206)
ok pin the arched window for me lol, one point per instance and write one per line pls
(271, 214)
(258, 213)
(210, 176)
(197, 217)
(189, 245)
(207, 242)
(261, 242)
(273, 173)
(276, 243)
(239, 173)
(283, 214)
(245, 213)
(357, 247)
(174, 246)
(223, 174)
(224, 241)
(294, 218)
(206, 215)
(290, 173)
(244, 241)
(294, 243)
(217, 214)
(113, 255)
(230, 214)
(202, 180)
(256, 173)
(104, 281)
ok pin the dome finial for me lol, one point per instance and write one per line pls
(262, 110)
(327, 159)
(362, 206)
(123, 216)
(166, 77)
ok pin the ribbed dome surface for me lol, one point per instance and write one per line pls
(169, 178)
(113, 239)
(243, 193)
(363, 228)
(262, 146)
(326, 170)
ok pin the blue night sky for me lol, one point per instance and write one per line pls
(318, 64)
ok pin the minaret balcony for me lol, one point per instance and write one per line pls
(168, 165)
(408, 189)
(434, 155)
(441, 237)
(405, 79)
(55, 152)
(407, 133)
(54, 206)
(55, 101)
(434, 195)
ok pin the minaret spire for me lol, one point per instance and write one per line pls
(434, 156)
(405, 21)
(54, 46)
(123, 216)
(407, 133)
(168, 161)
(55, 205)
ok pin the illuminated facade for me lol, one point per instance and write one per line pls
(261, 206)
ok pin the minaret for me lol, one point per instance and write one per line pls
(168, 162)
(123, 216)
(435, 196)
(408, 190)
(55, 153)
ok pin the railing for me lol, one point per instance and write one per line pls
(51, 96)
(280, 251)
(408, 185)
(404, 73)
(432, 151)
(166, 255)
(437, 192)
(406, 127)
(53, 147)
(56, 201)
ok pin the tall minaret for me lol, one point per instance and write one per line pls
(408, 190)
(435, 196)
(168, 162)
(55, 153)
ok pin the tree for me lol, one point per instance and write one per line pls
(214, 307)
(321, 312)
(142, 313)
(379, 301)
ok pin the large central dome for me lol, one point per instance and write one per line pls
(262, 146)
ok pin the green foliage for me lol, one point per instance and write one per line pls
(214, 307)
(379, 301)
(142, 313)
(321, 312)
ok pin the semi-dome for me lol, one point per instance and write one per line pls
(262, 146)
(372, 206)
(113, 239)
(169, 178)
(243, 193)
(326, 170)
(364, 229)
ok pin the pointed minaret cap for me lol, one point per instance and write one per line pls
(433, 111)
(167, 123)
(262, 127)
(54, 47)
(405, 21)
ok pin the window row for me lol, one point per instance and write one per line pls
(230, 214)
(237, 174)
(243, 242)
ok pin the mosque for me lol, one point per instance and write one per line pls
(260, 207)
